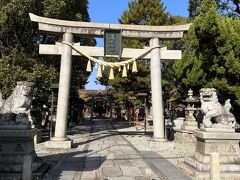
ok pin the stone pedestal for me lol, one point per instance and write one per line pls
(178, 122)
(189, 125)
(226, 144)
(184, 136)
(17, 154)
(160, 144)
(56, 144)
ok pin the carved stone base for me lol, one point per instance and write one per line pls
(184, 136)
(217, 130)
(17, 154)
(59, 144)
(160, 144)
(226, 144)
(189, 125)
(14, 121)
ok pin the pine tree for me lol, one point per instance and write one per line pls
(145, 12)
(193, 6)
(229, 8)
(141, 12)
(194, 68)
(212, 55)
(228, 70)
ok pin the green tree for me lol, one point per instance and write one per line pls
(211, 58)
(18, 53)
(225, 7)
(195, 67)
(19, 40)
(145, 12)
(228, 46)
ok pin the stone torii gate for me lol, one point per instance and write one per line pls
(70, 28)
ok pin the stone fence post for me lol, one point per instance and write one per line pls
(27, 167)
(214, 166)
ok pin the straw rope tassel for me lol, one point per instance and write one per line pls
(111, 74)
(134, 68)
(111, 64)
(124, 72)
(89, 66)
(99, 73)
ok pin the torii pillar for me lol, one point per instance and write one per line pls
(156, 89)
(63, 92)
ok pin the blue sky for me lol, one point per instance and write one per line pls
(108, 11)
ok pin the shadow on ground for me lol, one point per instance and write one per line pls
(72, 163)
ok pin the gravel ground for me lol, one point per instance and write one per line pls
(178, 153)
(141, 142)
(79, 135)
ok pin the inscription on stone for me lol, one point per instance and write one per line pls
(214, 148)
(232, 149)
(112, 43)
(19, 148)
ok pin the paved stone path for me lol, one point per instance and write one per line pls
(109, 155)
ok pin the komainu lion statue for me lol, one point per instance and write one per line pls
(20, 100)
(215, 115)
(15, 108)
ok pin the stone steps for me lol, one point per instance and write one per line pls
(201, 171)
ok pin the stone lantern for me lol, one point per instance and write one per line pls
(185, 134)
(190, 122)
